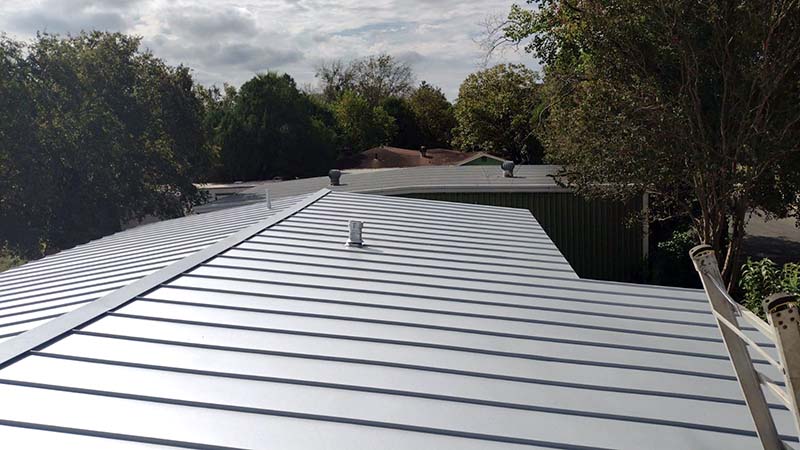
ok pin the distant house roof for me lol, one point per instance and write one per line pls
(457, 326)
(386, 157)
(411, 180)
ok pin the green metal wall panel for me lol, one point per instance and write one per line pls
(594, 235)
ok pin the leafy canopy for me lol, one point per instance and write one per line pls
(269, 128)
(693, 101)
(93, 133)
(496, 112)
(434, 115)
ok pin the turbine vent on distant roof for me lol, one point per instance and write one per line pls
(335, 175)
(508, 169)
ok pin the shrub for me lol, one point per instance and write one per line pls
(763, 278)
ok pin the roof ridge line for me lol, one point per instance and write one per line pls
(29, 340)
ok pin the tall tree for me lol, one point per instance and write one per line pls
(273, 129)
(361, 125)
(434, 115)
(106, 134)
(409, 134)
(695, 101)
(497, 112)
(374, 78)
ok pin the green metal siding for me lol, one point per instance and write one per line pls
(594, 235)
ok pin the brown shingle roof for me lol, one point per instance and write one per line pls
(383, 157)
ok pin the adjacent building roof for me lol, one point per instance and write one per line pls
(457, 326)
(413, 180)
(385, 157)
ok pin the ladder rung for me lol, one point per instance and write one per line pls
(775, 388)
(747, 340)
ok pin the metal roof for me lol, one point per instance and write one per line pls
(454, 327)
(409, 180)
(38, 291)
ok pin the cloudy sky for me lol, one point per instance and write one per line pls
(231, 40)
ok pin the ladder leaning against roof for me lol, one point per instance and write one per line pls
(783, 329)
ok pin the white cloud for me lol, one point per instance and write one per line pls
(231, 40)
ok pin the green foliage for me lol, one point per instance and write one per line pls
(374, 78)
(760, 279)
(269, 128)
(361, 126)
(670, 264)
(434, 115)
(695, 102)
(8, 259)
(94, 133)
(409, 134)
(496, 112)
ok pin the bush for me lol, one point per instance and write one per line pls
(670, 264)
(9, 260)
(763, 278)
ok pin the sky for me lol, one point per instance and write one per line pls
(229, 41)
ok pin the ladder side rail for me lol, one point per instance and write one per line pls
(705, 261)
(782, 311)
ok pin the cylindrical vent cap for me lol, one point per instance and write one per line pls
(355, 239)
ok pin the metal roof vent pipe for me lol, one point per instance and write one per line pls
(335, 175)
(355, 238)
(267, 199)
(423, 151)
(508, 169)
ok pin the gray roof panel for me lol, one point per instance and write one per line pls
(41, 290)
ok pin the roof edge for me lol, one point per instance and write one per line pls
(480, 155)
(461, 188)
(18, 345)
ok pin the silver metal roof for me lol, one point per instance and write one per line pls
(432, 336)
(410, 180)
(41, 290)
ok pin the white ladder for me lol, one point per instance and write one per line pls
(783, 329)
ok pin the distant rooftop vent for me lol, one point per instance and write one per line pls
(355, 237)
(267, 199)
(508, 169)
(423, 151)
(335, 175)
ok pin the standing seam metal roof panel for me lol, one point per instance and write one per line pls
(41, 290)
(240, 347)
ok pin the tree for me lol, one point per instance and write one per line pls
(335, 78)
(270, 129)
(497, 112)
(409, 134)
(434, 115)
(96, 133)
(694, 101)
(361, 126)
(374, 78)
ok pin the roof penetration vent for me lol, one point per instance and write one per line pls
(267, 199)
(335, 175)
(355, 237)
(508, 169)
(423, 151)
